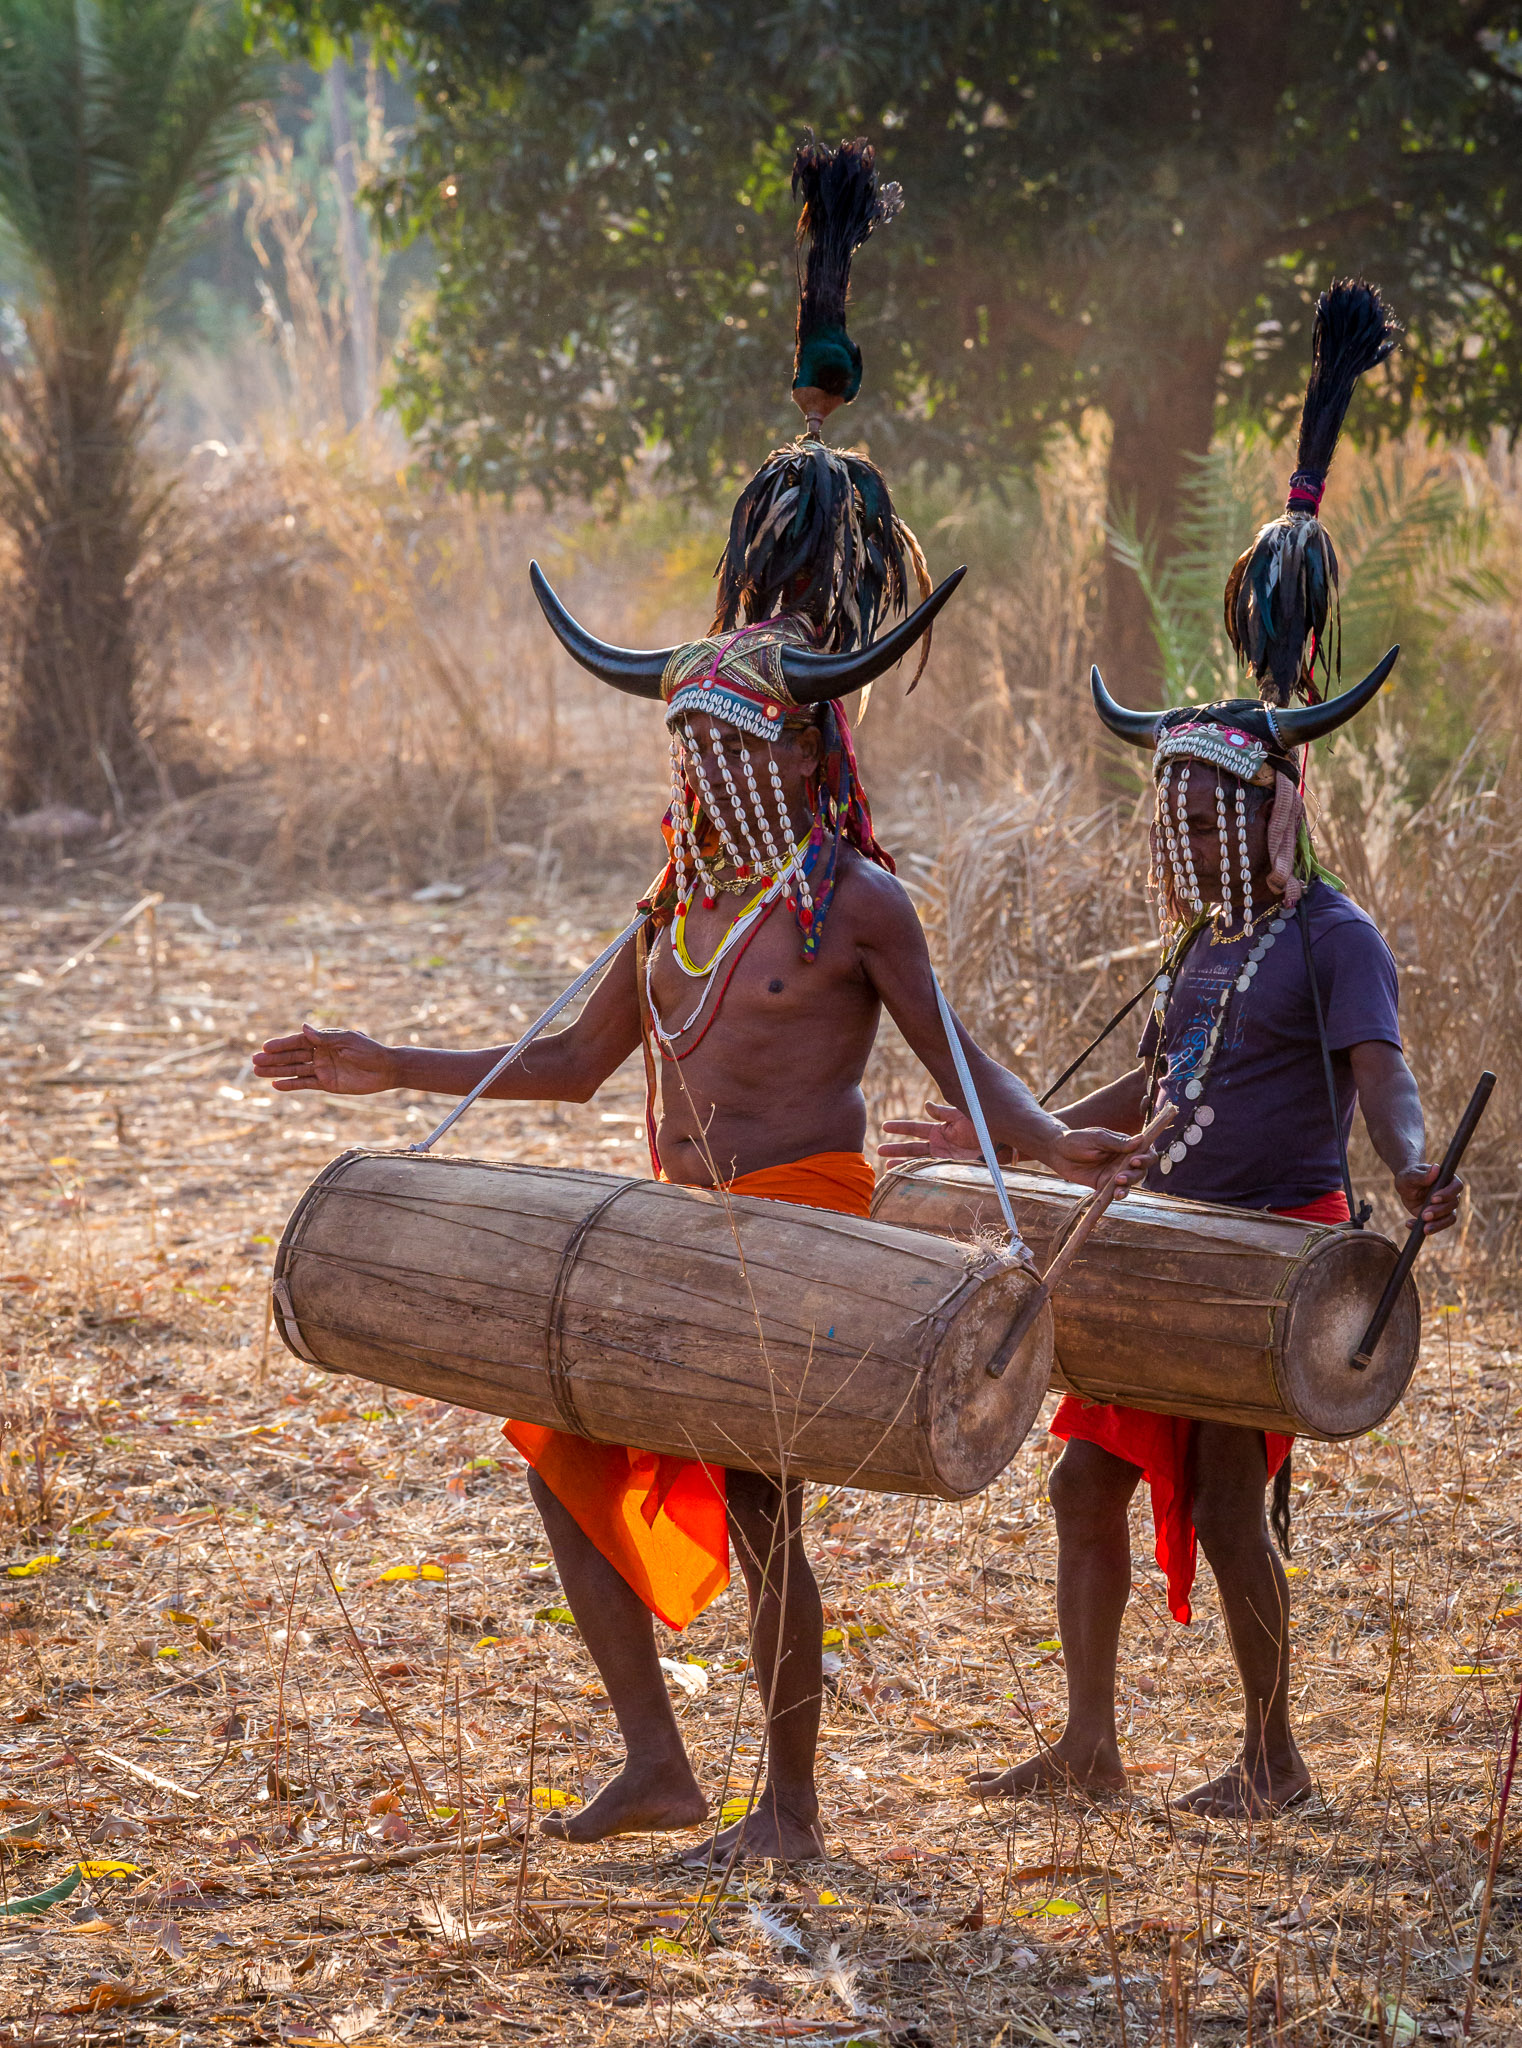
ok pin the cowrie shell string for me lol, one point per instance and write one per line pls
(1173, 828)
(767, 833)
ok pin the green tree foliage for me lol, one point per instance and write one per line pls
(1122, 209)
(118, 121)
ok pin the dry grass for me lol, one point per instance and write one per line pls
(194, 1487)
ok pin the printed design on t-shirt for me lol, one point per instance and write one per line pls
(1187, 1038)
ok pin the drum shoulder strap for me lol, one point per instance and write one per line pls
(646, 1042)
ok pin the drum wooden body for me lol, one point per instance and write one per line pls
(836, 1349)
(1188, 1308)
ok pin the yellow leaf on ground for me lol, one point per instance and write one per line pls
(108, 1867)
(33, 1566)
(431, 1571)
(393, 1572)
(733, 1810)
(548, 1797)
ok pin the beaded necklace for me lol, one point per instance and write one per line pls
(738, 935)
(1202, 1115)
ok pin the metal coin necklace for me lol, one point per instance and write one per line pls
(1202, 1116)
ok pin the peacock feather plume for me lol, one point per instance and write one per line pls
(842, 204)
(1281, 594)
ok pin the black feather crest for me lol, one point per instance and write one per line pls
(842, 204)
(1282, 591)
(814, 531)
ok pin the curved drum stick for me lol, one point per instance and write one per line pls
(1416, 1236)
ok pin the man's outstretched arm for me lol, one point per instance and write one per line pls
(946, 1133)
(563, 1066)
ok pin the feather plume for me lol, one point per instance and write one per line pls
(814, 531)
(1281, 594)
(842, 204)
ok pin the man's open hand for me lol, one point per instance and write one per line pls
(942, 1133)
(338, 1062)
(1437, 1211)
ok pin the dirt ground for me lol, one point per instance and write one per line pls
(285, 1667)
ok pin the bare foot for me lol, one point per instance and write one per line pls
(770, 1832)
(641, 1799)
(1241, 1793)
(1090, 1769)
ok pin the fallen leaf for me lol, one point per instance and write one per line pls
(33, 1566)
(107, 1867)
(692, 1678)
(733, 1810)
(547, 1797)
(38, 1902)
(116, 1994)
(562, 1616)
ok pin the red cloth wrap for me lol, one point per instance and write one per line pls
(1163, 1446)
(659, 1520)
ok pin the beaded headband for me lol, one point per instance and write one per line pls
(736, 677)
(1219, 746)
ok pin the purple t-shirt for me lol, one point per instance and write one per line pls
(1270, 1144)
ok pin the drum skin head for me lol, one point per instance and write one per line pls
(976, 1422)
(1335, 1293)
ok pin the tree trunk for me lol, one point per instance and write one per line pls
(70, 490)
(1158, 424)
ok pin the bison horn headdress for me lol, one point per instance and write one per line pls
(816, 560)
(1280, 601)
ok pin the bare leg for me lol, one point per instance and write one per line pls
(655, 1788)
(1231, 1472)
(1090, 1491)
(787, 1627)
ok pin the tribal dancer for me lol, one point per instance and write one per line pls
(776, 936)
(1234, 1042)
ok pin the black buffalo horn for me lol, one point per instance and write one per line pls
(815, 678)
(810, 678)
(626, 668)
(1296, 728)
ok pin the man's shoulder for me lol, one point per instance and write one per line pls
(1333, 910)
(871, 890)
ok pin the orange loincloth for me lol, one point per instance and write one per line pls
(660, 1520)
(1163, 1446)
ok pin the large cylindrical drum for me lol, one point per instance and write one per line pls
(746, 1332)
(1189, 1308)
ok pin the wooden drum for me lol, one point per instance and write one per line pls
(834, 1348)
(1188, 1308)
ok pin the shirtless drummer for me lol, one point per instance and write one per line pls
(778, 936)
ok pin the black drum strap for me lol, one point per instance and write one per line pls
(554, 1329)
(1359, 1212)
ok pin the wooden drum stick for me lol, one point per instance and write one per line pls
(1416, 1236)
(1073, 1244)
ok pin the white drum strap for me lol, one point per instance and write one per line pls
(567, 996)
(979, 1121)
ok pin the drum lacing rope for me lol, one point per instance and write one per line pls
(554, 1329)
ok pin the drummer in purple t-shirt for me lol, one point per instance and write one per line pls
(1270, 975)
(1233, 1042)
